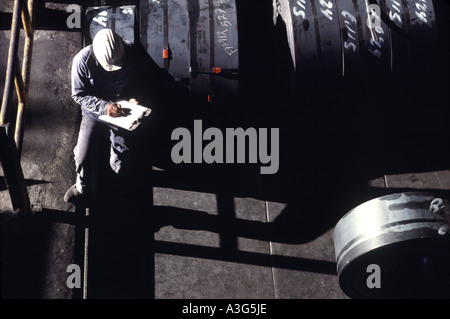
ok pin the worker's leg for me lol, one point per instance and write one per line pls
(119, 155)
(83, 158)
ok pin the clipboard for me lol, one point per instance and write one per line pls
(134, 114)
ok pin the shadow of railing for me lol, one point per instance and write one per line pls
(245, 257)
(28, 182)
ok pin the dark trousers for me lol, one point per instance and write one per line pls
(91, 137)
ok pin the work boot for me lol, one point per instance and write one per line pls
(73, 195)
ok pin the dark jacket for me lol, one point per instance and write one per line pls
(93, 88)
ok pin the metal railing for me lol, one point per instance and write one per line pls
(11, 135)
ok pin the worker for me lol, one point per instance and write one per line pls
(108, 70)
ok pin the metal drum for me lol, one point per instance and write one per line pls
(335, 38)
(395, 246)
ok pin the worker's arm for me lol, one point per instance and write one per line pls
(82, 88)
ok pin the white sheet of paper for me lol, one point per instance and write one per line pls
(134, 114)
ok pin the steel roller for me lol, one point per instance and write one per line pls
(407, 236)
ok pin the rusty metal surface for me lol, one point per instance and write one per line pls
(10, 70)
(12, 136)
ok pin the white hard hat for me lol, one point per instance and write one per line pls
(109, 49)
